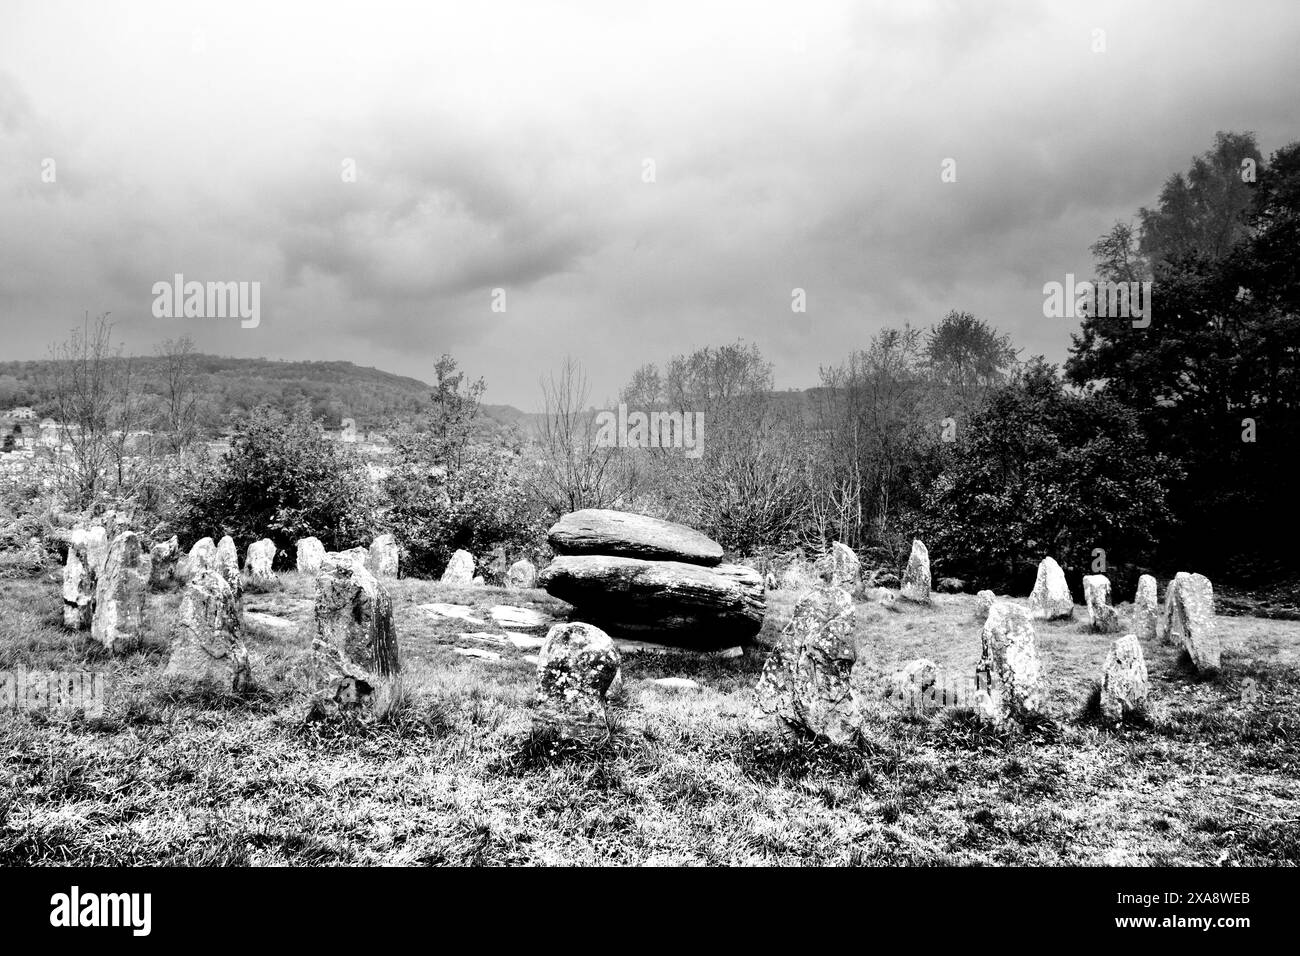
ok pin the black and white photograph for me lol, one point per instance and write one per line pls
(580, 435)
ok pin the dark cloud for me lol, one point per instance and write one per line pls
(503, 147)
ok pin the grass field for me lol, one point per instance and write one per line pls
(450, 772)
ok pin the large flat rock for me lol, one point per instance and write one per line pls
(670, 602)
(596, 531)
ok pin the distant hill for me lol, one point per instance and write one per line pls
(228, 387)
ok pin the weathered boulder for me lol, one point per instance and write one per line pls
(310, 554)
(1124, 685)
(228, 564)
(840, 566)
(677, 603)
(460, 569)
(576, 668)
(1102, 618)
(383, 558)
(805, 686)
(983, 601)
(355, 642)
(628, 535)
(163, 557)
(261, 555)
(1146, 610)
(1189, 616)
(916, 578)
(207, 643)
(118, 620)
(521, 576)
(1050, 599)
(1009, 656)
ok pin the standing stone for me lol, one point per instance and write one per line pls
(383, 556)
(228, 564)
(840, 567)
(310, 555)
(207, 644)
(983, 601)
(1010, 657)
(355, 642)
(261, 555)
(1051, 599)
(910, 686)
(460, 569)
(1102, 618)
(805, 686)
(1146, 612)
(79, 577)
(575, 670)
(163, 557)
(916, 579)
(202, 557)
(1189, 615)
(1124, 685)
(96, 549)
(120, 595)
(521, 576)
(357, 555)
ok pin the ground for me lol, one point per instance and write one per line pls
(449, 771)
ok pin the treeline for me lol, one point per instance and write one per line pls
(227, 388)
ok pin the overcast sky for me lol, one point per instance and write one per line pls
(504, 146)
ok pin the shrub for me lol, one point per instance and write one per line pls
(282, 479)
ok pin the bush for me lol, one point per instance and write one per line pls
(1042, 471)
(282, 479)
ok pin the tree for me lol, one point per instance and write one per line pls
(1215, 379)
(575, 471)
(1041, 471)
(282, 479)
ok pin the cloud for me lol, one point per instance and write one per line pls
(503, 146)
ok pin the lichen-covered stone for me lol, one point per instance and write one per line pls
(383, 560)
(983, 601)
(805, 687)
(1146, 609)
(207, 643)
(310, 554)
(628, 535)
(1102, 617)
(228, 564)
(163, 557)
(260, 558)
(460, 569)
(1009, 655)
(1189, 617)
(118, 620)
(87, 552)
(521, 576)
(576, 669)
(916, 577)
(355, 642)
(840, 566)
(1124, 684)
(202, 556)
(1051, 599)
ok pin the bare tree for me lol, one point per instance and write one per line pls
(575, 472)
(180, 408)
